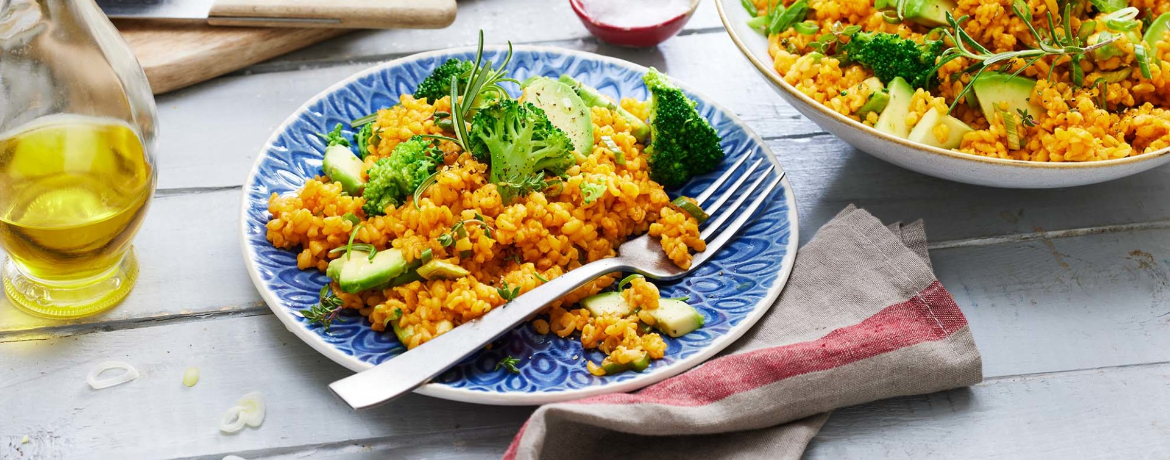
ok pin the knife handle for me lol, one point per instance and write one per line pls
(348, 14)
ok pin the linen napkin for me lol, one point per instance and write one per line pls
(862, 318)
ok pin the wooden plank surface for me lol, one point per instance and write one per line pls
(1065, 291)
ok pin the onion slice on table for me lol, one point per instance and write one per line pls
(248, 411)
(96, 382)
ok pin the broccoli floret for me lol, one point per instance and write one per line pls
(890, 55)
(682, 143)
(438, 84)
(394, 178)
(362, 139)
(334, 137)
(521, 145)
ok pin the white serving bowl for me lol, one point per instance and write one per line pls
(933, 161)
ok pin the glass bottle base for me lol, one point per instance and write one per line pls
(75, 300)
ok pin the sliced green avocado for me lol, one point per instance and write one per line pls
(438, 269)
(675, 317)
(403, 333)
(357, 272)
(345, 168)
(893, 118)
(565, 109)
(637, 365)
(930, 13)
(923, 132)
(1157, 31)
(878, 98)
(593, 98)
(992, 88)
(607, 303)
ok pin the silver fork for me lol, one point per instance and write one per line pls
(405, 372)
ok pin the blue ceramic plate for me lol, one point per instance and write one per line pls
(732, 291)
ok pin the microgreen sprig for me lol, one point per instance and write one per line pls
(507, 292)
(459, 231)
(509, 363)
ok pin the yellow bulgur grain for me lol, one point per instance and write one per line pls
(1073, 127)
(534, 237)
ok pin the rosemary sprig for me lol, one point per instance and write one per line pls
(1054, 44)
(483, 85)
(326, 311)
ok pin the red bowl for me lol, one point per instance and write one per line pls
(637, 37)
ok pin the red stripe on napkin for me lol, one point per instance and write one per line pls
(929, 316)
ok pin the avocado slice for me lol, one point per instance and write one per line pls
(345, 168)
(1157, 31)
(403, 333)
(878, 98)
(565, 109)
(991, 88)
(607, 303)
(637, 365)
(438, 269)
(676, 318)
(930, 13)
(893, 118)
(593, 98)
(923, 132)
(358, 272)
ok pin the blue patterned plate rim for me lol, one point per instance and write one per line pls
(445, 391)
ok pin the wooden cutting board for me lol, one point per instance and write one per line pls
(176, 55)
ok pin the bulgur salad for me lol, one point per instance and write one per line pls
(460, 198)
(1034, 80)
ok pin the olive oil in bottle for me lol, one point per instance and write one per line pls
(73, 192)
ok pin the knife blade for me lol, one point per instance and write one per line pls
(354, 14)
(157, 9)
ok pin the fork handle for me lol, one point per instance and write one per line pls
(403, 373)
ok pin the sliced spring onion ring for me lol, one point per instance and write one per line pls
(248, 411)
(1139, 52)
(619, 156)
(750, 7)
(100, 383)
(426, 255)
(627, 280)
(806, 27)
(191, 376)
(254, 409)
(693, 209)
(233, 420)
(1014, 139)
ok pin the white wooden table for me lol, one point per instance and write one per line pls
(1066, 291)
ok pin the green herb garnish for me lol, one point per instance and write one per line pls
(508, 293)
(509, 363)
(326, 311)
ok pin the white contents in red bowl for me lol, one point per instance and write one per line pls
(635, 13)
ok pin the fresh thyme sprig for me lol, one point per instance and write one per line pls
(1054, 44)
(326, 311)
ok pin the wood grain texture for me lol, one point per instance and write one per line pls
(350, 14)
(176, 55)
